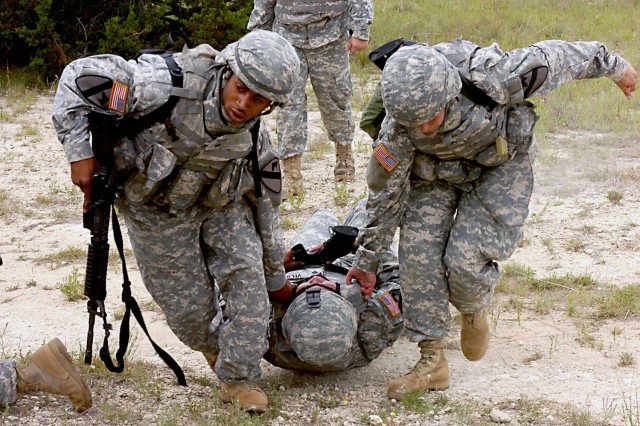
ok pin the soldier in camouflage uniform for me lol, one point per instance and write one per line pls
(452, 167)
(319, 31)
(328, 326)
(49, 369)
(188, 188)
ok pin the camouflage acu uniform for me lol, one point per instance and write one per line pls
(379, 320)
(8, 382)
(319, 32)
(188, 200)
(461, 196)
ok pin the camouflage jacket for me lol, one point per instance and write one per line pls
(313, 23)
(467, 140)
(193, 159)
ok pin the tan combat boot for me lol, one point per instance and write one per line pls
(431, 372)
(292, 177)
(247, 395)
(345, 167)
(474, 335)
(51, 370)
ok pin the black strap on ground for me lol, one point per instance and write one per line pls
(131, 307)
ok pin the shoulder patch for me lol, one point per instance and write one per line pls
(271, 176)
(118, 98)
(388, 161)
(387, 300)
(95, 88)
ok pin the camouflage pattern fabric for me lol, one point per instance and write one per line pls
(8, 382)
(192, 216)
(461, 210)
(320, 40)
(379, 323)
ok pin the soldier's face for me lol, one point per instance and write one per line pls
(430, 128)
(313, 283)
(241, 103)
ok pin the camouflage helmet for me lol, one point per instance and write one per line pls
(417, 83)
(324, 335)
(265, 62)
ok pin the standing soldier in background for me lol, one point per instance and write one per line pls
(199, 192)
(452, 167)
(323, 34)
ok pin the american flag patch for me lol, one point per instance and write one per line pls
(391, 304)
(118, 99)
(386, 159)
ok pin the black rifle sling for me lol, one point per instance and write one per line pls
(255, 165)
(131, 307)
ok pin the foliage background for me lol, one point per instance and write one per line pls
(45, 35)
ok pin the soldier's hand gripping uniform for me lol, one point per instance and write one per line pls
(452, 167)
(329, 326)
(188, 187)
(319, 32)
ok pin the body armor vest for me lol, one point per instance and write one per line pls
(483, 133)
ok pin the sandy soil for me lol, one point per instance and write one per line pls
(573, 228)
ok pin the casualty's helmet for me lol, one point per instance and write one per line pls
(265, 62)
(417, 83)
(321, 335)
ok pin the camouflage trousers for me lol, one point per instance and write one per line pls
(8, 382)
(182, 256)
(451, 240)
(328, 69)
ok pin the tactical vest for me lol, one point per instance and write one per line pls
(309, 11)
(178, 160)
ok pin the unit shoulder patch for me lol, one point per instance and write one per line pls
(388, 161)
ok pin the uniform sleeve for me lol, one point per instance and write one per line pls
(262, 15)
(143, 87)
(505, 75)
(388, 189)
(361, 18)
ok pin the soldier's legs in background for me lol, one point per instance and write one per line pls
(292, 130)
(169, 255)
(331, 80)
(234, 256)
(423, 235)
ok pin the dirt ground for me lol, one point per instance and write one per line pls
(578, 225)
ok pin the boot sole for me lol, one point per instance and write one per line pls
(435, 386)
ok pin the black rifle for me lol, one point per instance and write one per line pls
(339, 244)
(96, 219)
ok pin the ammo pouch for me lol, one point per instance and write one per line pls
(456, 172)
(154, 165)
(521, 121)
(234, 181)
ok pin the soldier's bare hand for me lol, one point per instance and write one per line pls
(629, 81)
(367, 280)
(81, 175)
(355, 45)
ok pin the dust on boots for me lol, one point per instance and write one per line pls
(50, 369)
(474, 335)
(247, 395)
(292, 177)
(430, 373)
(345, 166)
